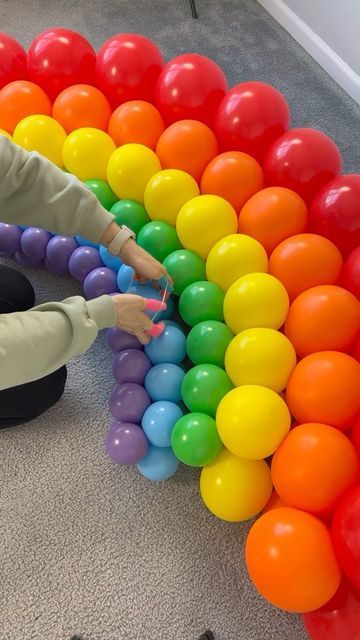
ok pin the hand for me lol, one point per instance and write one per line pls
(131, 316)
(142, 262)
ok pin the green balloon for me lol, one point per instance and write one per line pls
(184, 267)
(203, 387)
(195, 440)
(201, 301)
(103, 192)
(207, 342)
(130, 213)
(159, 239)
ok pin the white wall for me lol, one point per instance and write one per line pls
(335, 21)
(329, 30)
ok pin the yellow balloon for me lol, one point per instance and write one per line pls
(256, 300)
(166, 192)
(203, 221)
(87, 152)
(234, 489)
(42, 134)
(129, 170)
(235, 256)
(260, 356)
(252, 421)
(5, 133)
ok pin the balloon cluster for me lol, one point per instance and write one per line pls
(257, 381)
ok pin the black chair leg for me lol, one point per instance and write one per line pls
(193, 9)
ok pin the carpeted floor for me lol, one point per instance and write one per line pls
(90, 548)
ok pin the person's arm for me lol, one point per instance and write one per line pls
(34, 343)
(35, 192)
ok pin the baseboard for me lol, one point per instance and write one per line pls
(335, 66)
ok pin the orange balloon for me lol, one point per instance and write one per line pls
(81, 105)
(355, 349)
(233, 175)
(355, 436)
(188, 145)
(20, 99)
(291, 560)
(324, 318)
(304, 261)
(313, 466)
(275, 502)
(325, 387)
(136, 121)
(272, 215)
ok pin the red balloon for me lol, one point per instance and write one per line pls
(12, 60)
(335, 212)
(250, 118)
(190, 87)
(350, 277)
(355, 436)
(355, 351)
(345, 533)
(303, 160)
(59, 58)
(127, 68)
(339, 619)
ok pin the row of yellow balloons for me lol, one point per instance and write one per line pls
(252, 419)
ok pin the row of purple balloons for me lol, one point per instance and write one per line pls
(126, 442)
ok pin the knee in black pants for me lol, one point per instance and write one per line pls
(16, 292)
(28, 401)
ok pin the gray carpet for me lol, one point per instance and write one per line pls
(87, 547)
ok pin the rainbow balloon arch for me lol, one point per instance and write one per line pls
(256, 378)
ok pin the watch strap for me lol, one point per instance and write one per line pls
(118, 241)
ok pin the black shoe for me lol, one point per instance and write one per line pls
(208, 635)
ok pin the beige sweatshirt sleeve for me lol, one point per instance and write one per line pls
(35, 192)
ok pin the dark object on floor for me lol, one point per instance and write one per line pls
(27, 401)
(208, 635)
(76, 638)
(194, 15)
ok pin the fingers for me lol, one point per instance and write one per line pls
(157, 330)
(155, 305)
(143, 337)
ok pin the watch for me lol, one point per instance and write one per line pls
(118, 241)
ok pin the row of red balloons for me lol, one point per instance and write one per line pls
(252, 117)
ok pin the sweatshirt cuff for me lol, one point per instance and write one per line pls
(94, 221)
(102, 311)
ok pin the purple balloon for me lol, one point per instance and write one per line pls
(26, 261)
(10, 236)
(119, 340)
(82, 261)
(128, 402)
(34, 242)
(99, 281)
(58, 254)
(126, 443)
(131, 365)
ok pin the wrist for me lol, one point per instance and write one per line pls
(109, 234)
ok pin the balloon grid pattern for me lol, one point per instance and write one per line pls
(255, 379)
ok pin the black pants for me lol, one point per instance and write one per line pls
(26, 401)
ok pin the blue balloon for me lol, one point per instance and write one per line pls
(148, 291)
(163, 382)
(113, 262)
(158, 422)
(125, 278)
(158, 464)
(84, 242)
(170, 346)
